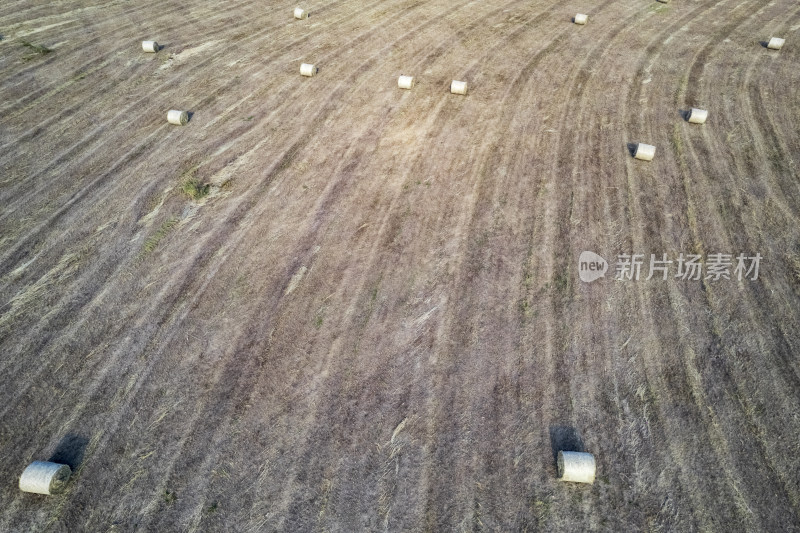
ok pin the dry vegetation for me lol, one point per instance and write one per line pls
(327, 304)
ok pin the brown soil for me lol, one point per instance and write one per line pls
(374, 321)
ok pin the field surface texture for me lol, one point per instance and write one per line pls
(330, 304)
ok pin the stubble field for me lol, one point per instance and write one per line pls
(328, 304)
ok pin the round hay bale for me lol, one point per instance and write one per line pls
(44, 477)
(458, 87)
(307, 69)
(150, 46)
(580, 19)
(405, 82)
(698, 116)
(578, 467)
(775, 43)
(300, 13)
(179, 118)
(645, 152)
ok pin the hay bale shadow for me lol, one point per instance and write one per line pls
(565, 438)
(70, 451)
(190, 114)
(685, 113)
(764, 44)
(632, 148)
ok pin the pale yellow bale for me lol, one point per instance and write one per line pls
(645, 152)
(775, 43)
(578, 467)
(458, 87)
(44, 477)
(307, 69)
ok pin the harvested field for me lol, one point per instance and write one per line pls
(329, 304)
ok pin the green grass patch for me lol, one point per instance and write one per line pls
(561, 283)
(194, 188)
(525, 307)
(170, 497)
(191, 186)
(659, 8)
(541, 509)
(682, 88)
(677, 139)
(151, 243)
(36, 49)
(794, 264)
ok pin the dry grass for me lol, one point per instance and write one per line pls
(330, 305)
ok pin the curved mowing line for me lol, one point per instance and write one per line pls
(65, 53)
(515, 85)
(221, 432)
(267, 119)
(644, 300)
(233, 220)
(569, 156)
(11, 9)
(22, 247)
(97, 133)
(565, 158)
(790, 381)
(42, 369)
(356, 291)
(27, 19)
(111, 54)
(28, 101)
